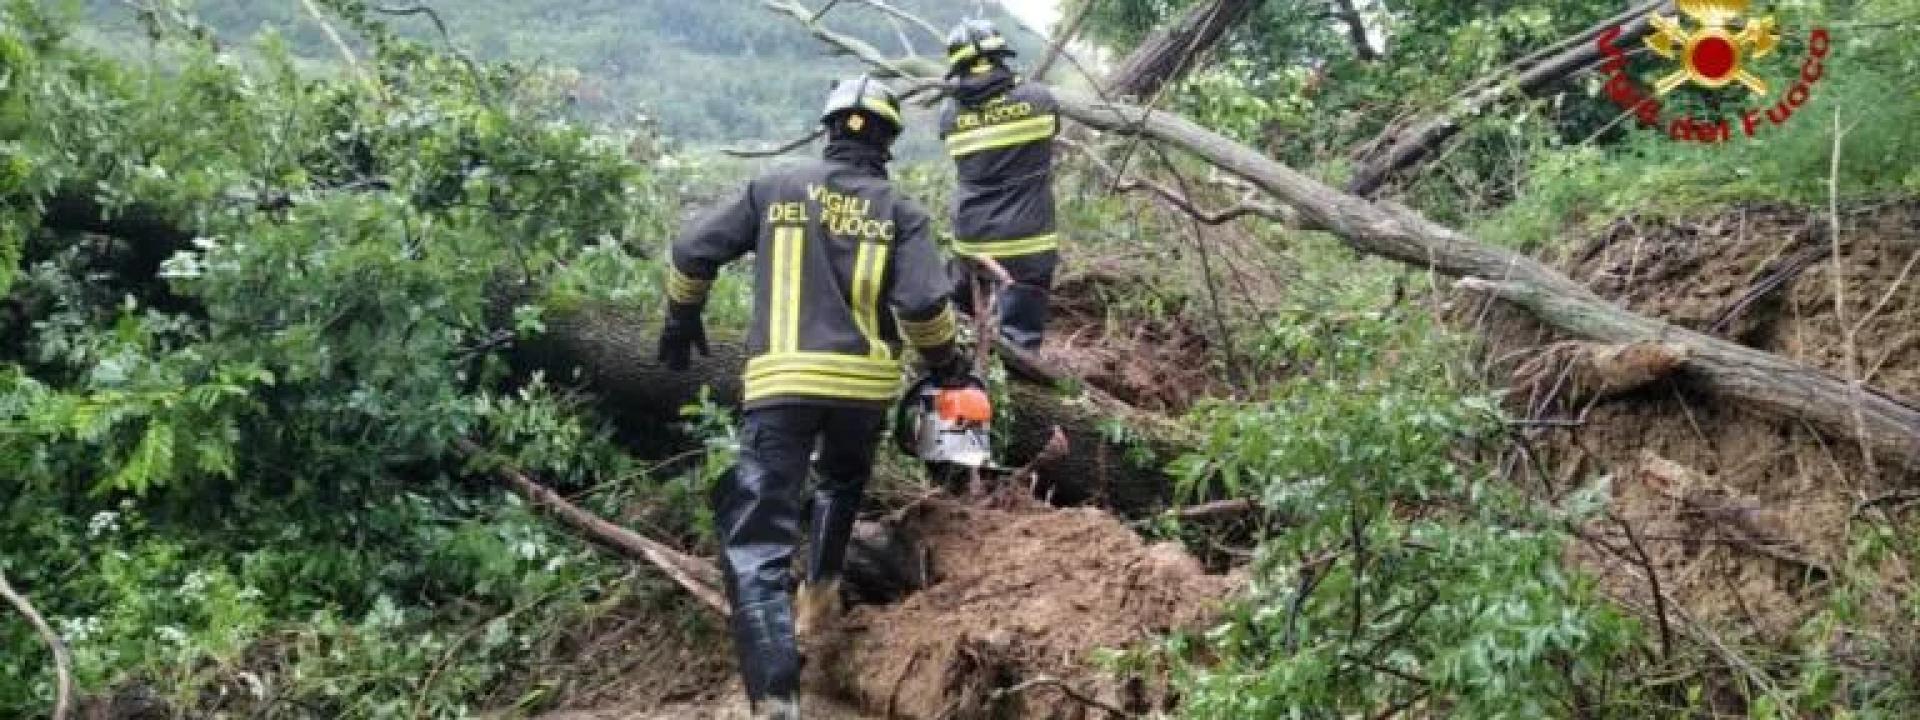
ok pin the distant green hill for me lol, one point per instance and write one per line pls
(709, 72)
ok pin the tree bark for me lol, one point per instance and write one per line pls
(610, 350)
(1405, 145)
(1356, 30)
(62, 661)
(882, 563)
(1759, 380)
(1172, 50)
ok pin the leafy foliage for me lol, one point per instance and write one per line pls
(1404, 576)
(241, 460)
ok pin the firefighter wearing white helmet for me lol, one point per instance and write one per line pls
(845, 274)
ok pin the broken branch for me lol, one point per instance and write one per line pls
(1070, 691)
(790, 146)
(1399, 147)
(62, 663)
(696, 576)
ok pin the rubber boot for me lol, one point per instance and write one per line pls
(830, 527)
(757, 514)
(777, 709)
(769, 661)
(1023, 316)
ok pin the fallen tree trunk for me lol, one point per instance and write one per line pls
(1759, 380)
(1406, 145)
(1172, 50)
(610, 350)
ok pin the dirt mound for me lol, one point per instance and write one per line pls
(1017, 593)
(1765, 277)
(1017, 596)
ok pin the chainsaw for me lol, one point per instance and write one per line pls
(949, 427)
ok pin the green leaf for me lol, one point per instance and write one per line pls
(150, 465)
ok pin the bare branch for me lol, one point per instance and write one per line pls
(473, 68)
(823, 11)
(1217, 509)
(917, 21)
(1247, 205)
(696, 576)
(1064, 38)
(790, 146)
(62, 663)
(1653, 581)
(907, 68)
(333, 35)
(1068, 690)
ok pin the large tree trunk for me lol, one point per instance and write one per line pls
(1172, 50)
(1405, 145)
(610, 350)
(1760, 380)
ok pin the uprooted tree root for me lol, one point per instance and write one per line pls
(1742, 520)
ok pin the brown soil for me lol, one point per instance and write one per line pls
(1018, 595)
(1796, 484)
(1017, 592)
(649, 652)
(1157, 364)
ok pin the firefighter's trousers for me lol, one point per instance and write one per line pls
(1024, 307)
(757, 507)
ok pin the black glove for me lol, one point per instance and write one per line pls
(683, 332)
(945, 365)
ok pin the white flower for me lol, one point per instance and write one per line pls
(103, 522)
(173, 635)
(195, 583)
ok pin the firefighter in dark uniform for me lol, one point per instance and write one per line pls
(999, 131)
(845, 269)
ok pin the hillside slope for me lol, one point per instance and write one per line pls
(707, 72)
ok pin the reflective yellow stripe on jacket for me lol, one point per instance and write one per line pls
(1014, 247)
(686, 289)
(993, 137)
(819, 374)
(930, 333)
(869, 267)
(783, 323)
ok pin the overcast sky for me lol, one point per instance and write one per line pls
(1041, 14)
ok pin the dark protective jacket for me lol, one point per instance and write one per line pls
(999, 132)
(833, 243)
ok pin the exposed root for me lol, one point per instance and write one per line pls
(1582, 372)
